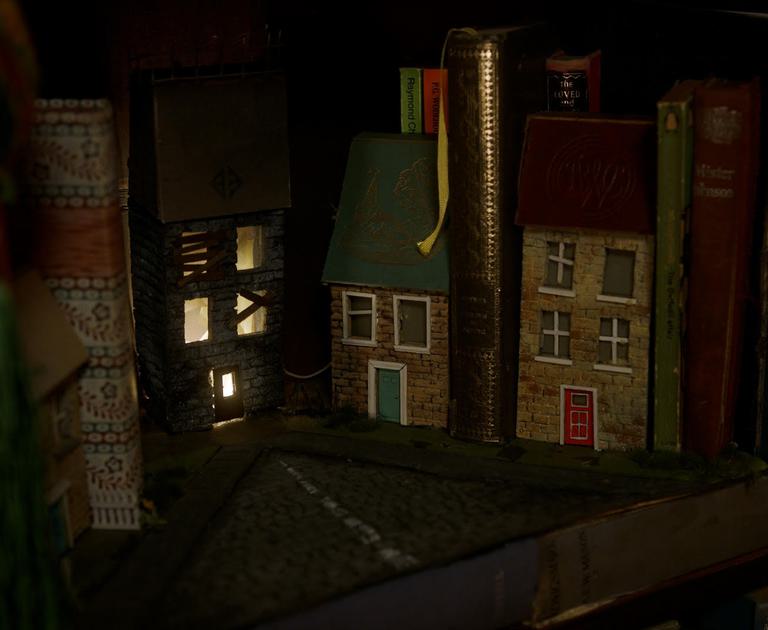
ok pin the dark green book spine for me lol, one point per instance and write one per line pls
(675, 160)
(411, 118)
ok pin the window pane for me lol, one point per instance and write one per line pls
(623, 328)
(567, 282)
(553, 248)
(547, 345)
(249, 247)
(564, 349)
(619, 274)
(579, 400)
(357, 303)
(564, 322)
(550, 278)
(570, 250)
(413, 323)
(622, 352)
(604, 352)
(255, 322)
(360, 326)
(547, 320)
(606, 327)
(195, 320)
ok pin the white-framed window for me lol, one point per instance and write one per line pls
(558, 272)
(618, 276)
(196, 320)
(250, 247)
(412, 323)
(359, 313)
(613, 345)
(555, 338)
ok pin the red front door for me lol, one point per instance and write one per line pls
(579, 418)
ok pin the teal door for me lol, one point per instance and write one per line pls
(388, 388)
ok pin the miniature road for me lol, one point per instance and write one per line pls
(268, 532)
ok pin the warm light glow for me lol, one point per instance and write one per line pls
(254, 323)
(218, 425)
(201, 248)
(195, 320)
(249, 249)
(228, 384)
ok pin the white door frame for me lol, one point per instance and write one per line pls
(374, 365)
(562, 410)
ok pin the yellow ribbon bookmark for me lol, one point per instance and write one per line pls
(425, 246)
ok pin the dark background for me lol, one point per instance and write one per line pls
(341, 64)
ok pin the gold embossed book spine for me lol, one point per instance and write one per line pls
(496, 77)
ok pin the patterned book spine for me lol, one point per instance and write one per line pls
(72, 185)
(410, 100)
(434, 85)
(495, 79)
(726, 123)
(675, 159)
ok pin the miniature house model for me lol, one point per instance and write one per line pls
(389, 304)
(207, 197)
(587, 282)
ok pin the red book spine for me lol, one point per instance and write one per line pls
(435, 82)
(726, 148)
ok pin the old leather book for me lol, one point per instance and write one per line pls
(495, 78)
(726, 145)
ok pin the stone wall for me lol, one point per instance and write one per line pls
(149, 307)
(189, 392)
(622, 399)
(427, 385)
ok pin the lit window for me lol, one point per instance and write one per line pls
(194, 252)
(250, 250)
(359, 318)
(412, 323)
(256, 319)
(228, 385)
(613, 344)
(195, 320)
(555, 335)
(559, 270)
(618, 279)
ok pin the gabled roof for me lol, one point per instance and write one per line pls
(388, 204)
(588, 171)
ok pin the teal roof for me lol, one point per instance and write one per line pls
(388, 204)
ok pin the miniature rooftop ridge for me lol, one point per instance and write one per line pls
(388, 202)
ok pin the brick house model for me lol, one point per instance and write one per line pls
(586, 205)
(389, 304)
(206, 213)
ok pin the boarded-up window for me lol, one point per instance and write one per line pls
(619, 276)
(250, 247)
(256, 322)
(200, 256)
(195, 320)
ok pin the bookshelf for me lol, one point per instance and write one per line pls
(342, 80)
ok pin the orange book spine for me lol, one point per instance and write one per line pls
(435, 82)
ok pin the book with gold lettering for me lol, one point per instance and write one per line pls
(726, 146)
(495, 78)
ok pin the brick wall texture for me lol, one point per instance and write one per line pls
(427, 397)
(622, 399)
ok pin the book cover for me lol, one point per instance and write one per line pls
(588, 171)
(674, 165)
(573, 83)
(435, 80)
(726, 145)
(410, 100)
(495, 78)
